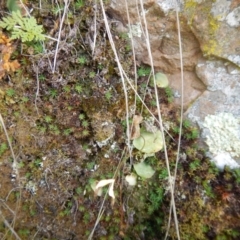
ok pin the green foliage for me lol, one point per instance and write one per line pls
(79, 3)
(92, 74)
(85, 133)
(25, 99)
(169, 94)
(53, 93)
(48, 119)
(195, 165)
(38, 48)
(143, 71)
(10, 92)
(54, 129)
(78, 88)
(85, 123)
(186, 123)
(12, 5)
(67, 131)
(108, 95)
(193, 135)
(208, 189)
(24, 232)
(163, 174)
(236, 174)
(24, 28)
(156, 198)
(3, 148)
(82, 60)
(67, 89)
(81, 116)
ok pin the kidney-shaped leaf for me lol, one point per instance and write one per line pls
(149, 142)
(143, 170)
(161, 80)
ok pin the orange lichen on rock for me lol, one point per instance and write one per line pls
(6, 50)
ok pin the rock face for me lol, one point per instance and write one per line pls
(210, 49)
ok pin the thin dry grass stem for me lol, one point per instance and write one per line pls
(145, 92)
(95, 29)
(160, 121)
(15, 172)
(66, 4)
(181, 110)
(25, 8)
(14, 165)
(120, 71)
(135, 74)
(6, 223)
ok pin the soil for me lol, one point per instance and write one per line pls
(67, 127)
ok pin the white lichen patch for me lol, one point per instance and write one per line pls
(135, 30)
(233, 18)
(223, 138)
(234, 58)
(167, 5)
(220, 9)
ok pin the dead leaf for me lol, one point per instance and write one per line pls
(135, 130)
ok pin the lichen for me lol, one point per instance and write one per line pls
(210, 45)
(223, 136)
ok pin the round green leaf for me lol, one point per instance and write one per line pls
(149, 142)
(144, 170)
(161, 80)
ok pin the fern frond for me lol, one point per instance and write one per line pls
(25, 28)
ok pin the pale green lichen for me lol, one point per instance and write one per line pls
(135, 30)
(223, 135)
(211, 46)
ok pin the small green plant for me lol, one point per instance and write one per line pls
(24, 232)
(208, 189)
(81, 116)
(236, 174)
(85, 133)
(67, 89)
(108, 95)
(56, 10)
(48, 119)
(92, 74)
(25, 99)
(41, 77)
(67, 131)
(163, 174)
(3, 148)
(169, 94)
(78, 89)
(195, 164)
(143, 71)
(10, 92)
(53, 93)
(54, 129)
(38, 48)
(79, 191)
(79, 3)
(186, 123)
(85, 123)
(24, 28)
(193, 134)
(82, 60)
(42, 129)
